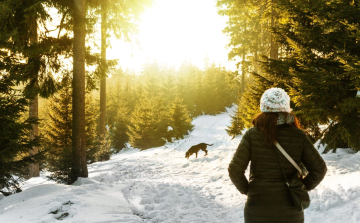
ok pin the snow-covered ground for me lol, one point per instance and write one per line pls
(160, 185)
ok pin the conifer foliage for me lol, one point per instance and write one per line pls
(58, 135)
(148, 126)
(58, 141)
(322, 44)
(317, 64)
(161, 102)
(180, 120)
(14, 140)
(119, 131)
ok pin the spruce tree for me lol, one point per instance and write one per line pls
(185, 87)
(97, 146)
(250, 27)
(200, 94)
(210, 86)
(119, 18)
(320, 47)
(249, 104)
(119, 131)
(79, 168)
(147, 126)
(220, 88)
(58, 137)
(180, 119)
(37, 53)
(14, 140)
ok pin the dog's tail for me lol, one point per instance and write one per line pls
(209, 144)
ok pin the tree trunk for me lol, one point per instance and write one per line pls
(34, 170)
(243, 73)
(78, 138)
(274, 48)
(103, 69)
(243, 69)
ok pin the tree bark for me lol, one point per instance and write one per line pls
(34, 170)
(243, 73)
(78, 138)
(103, 69)
(243, 69)
(274, 48)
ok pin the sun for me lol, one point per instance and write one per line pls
(174, 31)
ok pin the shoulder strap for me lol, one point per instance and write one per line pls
(282, 170)
(288, 157)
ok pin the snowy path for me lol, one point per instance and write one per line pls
(163, 186)
(160, 185)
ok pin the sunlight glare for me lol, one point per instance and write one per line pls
(174, 31)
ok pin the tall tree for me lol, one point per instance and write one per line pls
(120, 18)
(317, 64)
(322, 50)
(34, 170)
(103, 74)
(79, 168)
(250, 27)
(58, 137)
(20, 36)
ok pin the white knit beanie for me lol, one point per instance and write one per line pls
(275, 100)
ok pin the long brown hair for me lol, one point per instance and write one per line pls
(266, 122)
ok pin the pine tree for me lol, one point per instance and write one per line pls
(119, 131)
(103, 151)
(180, 119)
(250, 33)
(79, 168)
(58, 137)
(210, 86)
(97, 147)
(320, 46)
(200, 94)
(250, 27)
(147, 126)
(221, 90)
(249, 104)
(120, 18)
(14, 140)
(36, 52)
(237, 124)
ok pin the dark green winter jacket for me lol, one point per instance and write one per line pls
(268, 196)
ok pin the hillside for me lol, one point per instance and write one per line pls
(160, 185)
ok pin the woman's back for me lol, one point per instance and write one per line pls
(269, 197)
(265, 173)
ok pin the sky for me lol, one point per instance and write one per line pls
(174, 31)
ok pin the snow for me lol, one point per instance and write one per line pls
(160, 185)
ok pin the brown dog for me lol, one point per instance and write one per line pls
(195, 149)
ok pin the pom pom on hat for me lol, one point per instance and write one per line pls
(275, 100)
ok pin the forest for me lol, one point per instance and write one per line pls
(64, 105)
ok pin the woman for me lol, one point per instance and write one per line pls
(268, 197)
